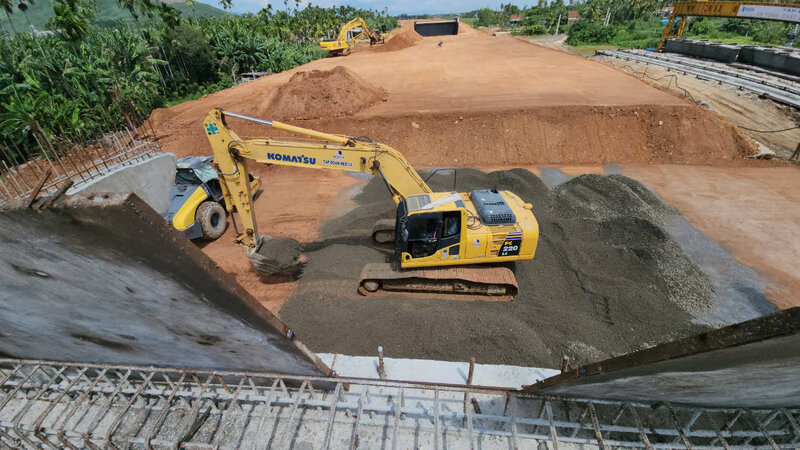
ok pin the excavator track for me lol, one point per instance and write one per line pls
(486, 283)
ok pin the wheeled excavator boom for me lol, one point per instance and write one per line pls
(344, 41)
(443, 240)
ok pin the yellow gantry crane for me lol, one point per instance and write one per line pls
(349, 34)
(445, 242)
(676, 24)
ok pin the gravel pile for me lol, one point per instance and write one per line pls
(606, 280)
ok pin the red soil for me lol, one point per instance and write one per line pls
(323, 94)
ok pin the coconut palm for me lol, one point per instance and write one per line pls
(8, 7)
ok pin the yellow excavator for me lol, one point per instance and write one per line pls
(349, 34)
(445, 242)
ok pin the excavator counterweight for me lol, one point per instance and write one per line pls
(445, 242)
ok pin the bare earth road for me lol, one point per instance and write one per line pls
(483, 100)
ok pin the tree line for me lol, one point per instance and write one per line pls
(77, 80)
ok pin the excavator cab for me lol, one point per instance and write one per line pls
(424, 234)
(429, 228)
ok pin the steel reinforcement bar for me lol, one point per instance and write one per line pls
(760, 87)
(56, 405)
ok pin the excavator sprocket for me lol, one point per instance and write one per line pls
(487, 283)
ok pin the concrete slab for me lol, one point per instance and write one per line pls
(431, 371)
(104, 279)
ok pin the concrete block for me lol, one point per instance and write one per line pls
(703, 49)
(150, 179)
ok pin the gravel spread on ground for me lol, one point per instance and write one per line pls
(606, 280)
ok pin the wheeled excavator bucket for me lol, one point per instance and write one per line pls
(484, 283)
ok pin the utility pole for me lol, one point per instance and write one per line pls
(558, 24)
(608, 17)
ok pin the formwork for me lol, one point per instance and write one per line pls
(55, 404)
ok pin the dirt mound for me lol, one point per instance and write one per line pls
(607, 279)
(404, 38)
(323, 94)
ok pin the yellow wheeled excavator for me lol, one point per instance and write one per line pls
(445, 242)
(348, 35)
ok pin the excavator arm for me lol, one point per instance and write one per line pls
(323, 151)
(344, 43)
(374, 36)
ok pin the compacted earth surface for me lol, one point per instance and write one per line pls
(606, 279)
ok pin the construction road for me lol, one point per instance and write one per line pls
(496, 102)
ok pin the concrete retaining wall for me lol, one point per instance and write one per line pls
(103, 279)
(150, 179)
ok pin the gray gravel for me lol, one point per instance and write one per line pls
(607, 279)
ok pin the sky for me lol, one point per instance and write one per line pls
(395, 6)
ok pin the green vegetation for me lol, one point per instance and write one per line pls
(81, 79)
(106, 13)
(624, 23)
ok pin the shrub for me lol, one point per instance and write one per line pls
(584, 32)
(535, 29)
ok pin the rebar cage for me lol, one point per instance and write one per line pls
(57, 162)
(46, 404)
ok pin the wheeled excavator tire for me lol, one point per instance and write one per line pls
(272, 256)
(487, 283)
(383, 231)
(212, 219)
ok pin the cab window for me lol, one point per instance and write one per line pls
(187, 176)
(452, 224)
(422, 232)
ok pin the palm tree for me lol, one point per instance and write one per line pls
(24, 8)
(8, 8)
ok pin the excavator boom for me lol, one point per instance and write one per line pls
(326, 151)
(432, 230)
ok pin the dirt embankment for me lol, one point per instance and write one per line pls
(556, 135)
(324, 94)
(537, 136)
(403, 38)
(606, 280)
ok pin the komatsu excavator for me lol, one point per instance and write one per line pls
(348, 35)
(445, 242)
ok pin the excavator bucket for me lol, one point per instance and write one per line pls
(484, 283)
(272, 256)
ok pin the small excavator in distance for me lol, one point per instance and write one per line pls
(445, 242)
(348, 35)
